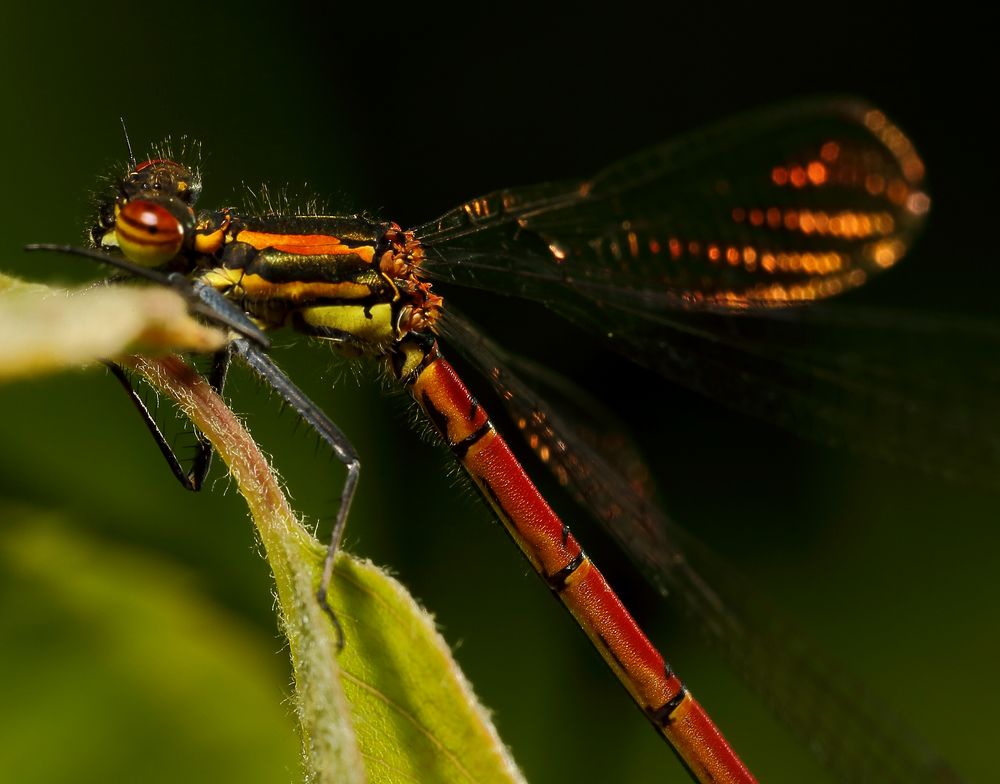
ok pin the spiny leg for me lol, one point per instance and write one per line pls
(332, 435)
(194, 478)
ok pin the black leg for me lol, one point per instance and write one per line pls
(195, 477)
(313, 416)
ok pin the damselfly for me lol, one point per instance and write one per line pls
(671, 256)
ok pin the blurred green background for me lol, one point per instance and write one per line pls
(137, 628)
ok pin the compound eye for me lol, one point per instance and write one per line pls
(148, 233)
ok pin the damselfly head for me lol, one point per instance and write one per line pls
(163, 178)
(150, 216)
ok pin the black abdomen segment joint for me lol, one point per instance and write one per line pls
(461, 448)
(557, 582)
(662, 716)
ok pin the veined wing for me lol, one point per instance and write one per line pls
(913, 389)
(751, 218)
(791, 204)
(818, 702)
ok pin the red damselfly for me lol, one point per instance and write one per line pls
(703, 259)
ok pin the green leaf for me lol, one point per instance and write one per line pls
(411, 715)
(414, 714)
(393, 706)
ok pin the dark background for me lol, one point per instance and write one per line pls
(407, 115)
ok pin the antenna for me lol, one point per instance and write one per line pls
(131, 155)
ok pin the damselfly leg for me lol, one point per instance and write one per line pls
(192, 478)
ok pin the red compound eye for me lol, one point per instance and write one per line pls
(148, 233)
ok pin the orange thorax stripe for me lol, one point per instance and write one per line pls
(305, 244)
